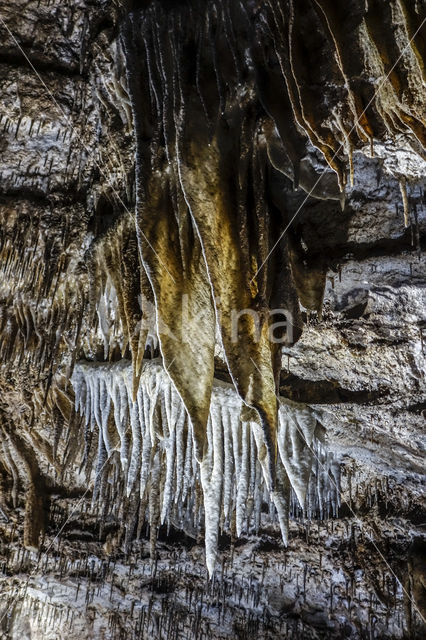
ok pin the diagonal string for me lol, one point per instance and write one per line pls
(357, 520)
(72, 513)
(357, 122)
(90, 152)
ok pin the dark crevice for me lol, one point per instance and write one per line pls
(326, 391)
(40, 197)
(299, 389)
(17, 60)
(377, 249)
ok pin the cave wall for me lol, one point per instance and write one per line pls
(71, 200)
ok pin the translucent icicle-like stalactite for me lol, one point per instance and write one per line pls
(152, 438)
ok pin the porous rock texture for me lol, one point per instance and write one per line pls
(163, 166)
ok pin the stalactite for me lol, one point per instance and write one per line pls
(211, 472)
(405, 204)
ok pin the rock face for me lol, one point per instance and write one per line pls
(176, 179)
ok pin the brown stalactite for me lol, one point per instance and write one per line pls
(198, 156)
(202, 158)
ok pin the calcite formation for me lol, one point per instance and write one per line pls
(212, 301)
(154, 442)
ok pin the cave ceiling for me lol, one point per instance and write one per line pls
(212, 315)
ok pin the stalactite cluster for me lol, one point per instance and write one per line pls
(145, 450)
(36, 329)
(35, 303)
(220, 93)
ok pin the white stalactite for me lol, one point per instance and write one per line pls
(153, 446)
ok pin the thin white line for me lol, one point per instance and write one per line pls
(357, 121)
(89, 152)
(352, 511)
